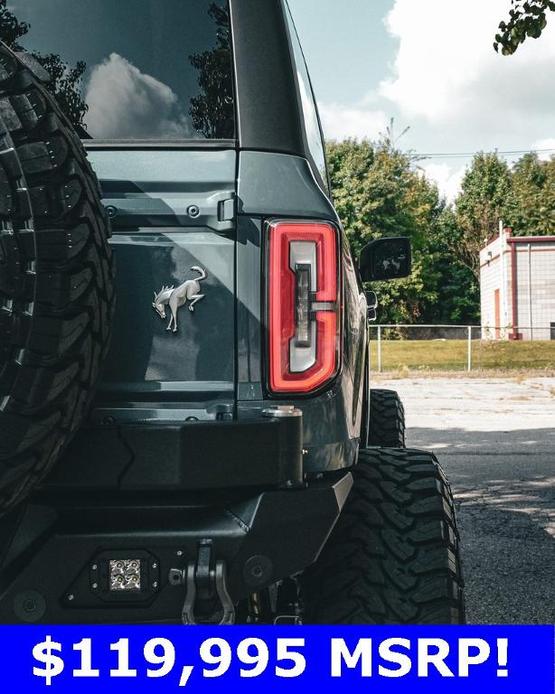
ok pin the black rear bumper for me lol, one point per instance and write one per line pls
(57, 568)
(158, 457)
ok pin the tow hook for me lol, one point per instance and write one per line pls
(207, 600)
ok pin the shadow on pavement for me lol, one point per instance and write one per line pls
(504, 486)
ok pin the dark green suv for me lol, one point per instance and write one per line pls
(234, 464)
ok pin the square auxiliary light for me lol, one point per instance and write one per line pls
(125, 574)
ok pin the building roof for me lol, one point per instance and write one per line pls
(531, 239)
(509, 238)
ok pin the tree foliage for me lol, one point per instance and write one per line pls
(65, 80)
(522, 196)
(65, 85)
(11, 29)
(531, 208)
(486, 190)
(458, 288)
(379, 191)
(210, 110)
(527, 18)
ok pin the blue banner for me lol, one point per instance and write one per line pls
(278, 659)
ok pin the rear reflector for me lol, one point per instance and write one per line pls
(303, 323)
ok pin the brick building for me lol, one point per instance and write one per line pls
(517, 287)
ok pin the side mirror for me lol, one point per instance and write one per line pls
(386, 259)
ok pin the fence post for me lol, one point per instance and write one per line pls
(469, 358)
(379, 348)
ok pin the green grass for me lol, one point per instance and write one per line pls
(451, 355)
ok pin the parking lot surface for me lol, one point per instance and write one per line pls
(496, 440)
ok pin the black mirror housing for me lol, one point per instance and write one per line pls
(372, 306)
(386, 259)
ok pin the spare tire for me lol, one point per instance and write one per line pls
(56, 280)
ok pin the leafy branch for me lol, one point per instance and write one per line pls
(527, 18)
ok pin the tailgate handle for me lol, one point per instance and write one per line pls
(215, 211)
(226, 209)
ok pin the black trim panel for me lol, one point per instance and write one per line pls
(158, 144)
(268, 109)
(195, 456)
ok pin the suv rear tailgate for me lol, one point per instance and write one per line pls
(172, 210)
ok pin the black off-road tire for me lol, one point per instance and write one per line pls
(393, 557)
(56, 281)
(387, 419)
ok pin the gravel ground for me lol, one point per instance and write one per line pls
(496, 440)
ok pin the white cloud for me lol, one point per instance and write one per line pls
(125, 102)
(340, 122)
(447, 178)
(447, 72)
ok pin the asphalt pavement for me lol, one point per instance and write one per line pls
(495, 438)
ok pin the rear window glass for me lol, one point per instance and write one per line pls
(132, 69)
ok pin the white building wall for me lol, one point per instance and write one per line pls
(495, 277)
(536, 300)
(489, 282)
(535, 288)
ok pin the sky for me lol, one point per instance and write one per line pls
(430, 65)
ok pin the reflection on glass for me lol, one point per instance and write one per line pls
(308, 104)
(132, 69)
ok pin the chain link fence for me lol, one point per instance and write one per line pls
(460, 348)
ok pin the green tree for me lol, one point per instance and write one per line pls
(11, 29)
(378, 192)
(532, 206)
(457, 285)
(486, 195)
(211, 111)
(65, 80)
(65, 84)
(522, 196)
(527, 18)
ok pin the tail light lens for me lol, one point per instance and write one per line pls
(303, 293)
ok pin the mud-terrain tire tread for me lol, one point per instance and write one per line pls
(387, 419)
(56, 281)
(393, 556)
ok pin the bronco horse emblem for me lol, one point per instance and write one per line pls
(175, 298)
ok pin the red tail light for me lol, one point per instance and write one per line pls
(303, 306)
